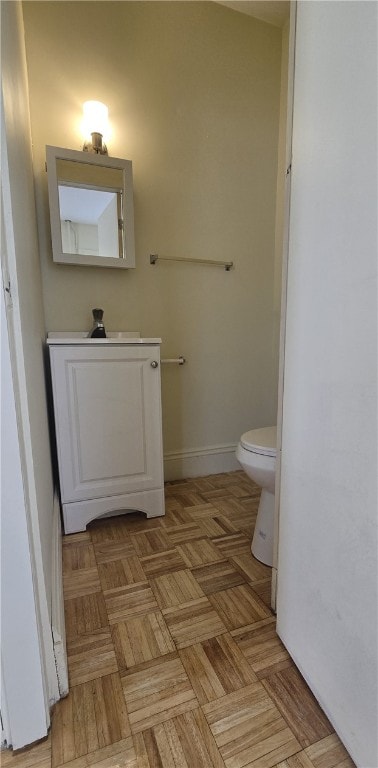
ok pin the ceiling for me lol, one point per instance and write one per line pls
(272, 11)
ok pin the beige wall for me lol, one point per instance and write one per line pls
(193, 91)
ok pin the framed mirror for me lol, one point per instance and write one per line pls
(91, 208)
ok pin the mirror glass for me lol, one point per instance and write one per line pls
(91, 208)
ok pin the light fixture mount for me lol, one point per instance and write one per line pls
(95, 124)
(97, 145)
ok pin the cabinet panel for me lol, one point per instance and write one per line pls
(108, 403)
(108, 420)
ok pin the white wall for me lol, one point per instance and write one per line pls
(108, 241)
(26, 323)
(327, 569)
(23, 696)
(193, 91)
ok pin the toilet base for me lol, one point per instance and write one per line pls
(262, 542)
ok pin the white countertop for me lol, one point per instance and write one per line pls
(113, 337)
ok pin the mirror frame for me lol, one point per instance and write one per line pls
(127, 259)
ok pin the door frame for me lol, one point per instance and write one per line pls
(284, 272)
(24, 697)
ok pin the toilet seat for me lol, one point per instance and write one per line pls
(262, 441)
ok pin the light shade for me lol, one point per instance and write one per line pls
(95, 118)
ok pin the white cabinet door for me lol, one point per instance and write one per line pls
(108, 419)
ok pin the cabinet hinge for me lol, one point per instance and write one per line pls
(288, 170)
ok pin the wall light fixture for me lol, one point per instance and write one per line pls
(95, 125)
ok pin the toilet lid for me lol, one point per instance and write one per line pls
(263, 441)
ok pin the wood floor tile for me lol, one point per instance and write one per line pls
(241, 477)
(180, 534)
(175, 588)
(171, 504)
(200, 552)
(137, 521)
(109, 529)
(150, 542)
(183, 742)
(197, 740)
(182, 485)
(329, 753)
(91, 656)
(251, 503)
(82, 581)
(119, 573)
(295, 701)
(156, 692)
(249, 730)
(251, 568)
(204, 484)
(188, 498)
(125, 602)
(168, 620)
(217, 526)
(193, 622)
(217, 576)
(245, 522)
(239, 606)
(332, 757)
(229, 507)
(92, 716)
(238, 490)
(233, 544)
(243, 490)
(224, 479)
(300, 760)
(113, 550)
(263, 589)
(174, 514)
(173, 487)
(76, 538)
(203, 509)
(85, 614)
(77, 555)
(162, 563)
(216, 493)
(262, 647)
(141, 639)
(36, 756)
(216, 667)
(119, 755)
(62, 732)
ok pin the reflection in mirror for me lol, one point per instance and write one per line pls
(91, 208)
(89, 221)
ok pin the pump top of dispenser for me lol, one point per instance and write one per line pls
(98, 329)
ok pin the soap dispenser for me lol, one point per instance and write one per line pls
(98, 329)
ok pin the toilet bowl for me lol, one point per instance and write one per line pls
(256, 453)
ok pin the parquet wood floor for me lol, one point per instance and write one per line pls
(173, 657)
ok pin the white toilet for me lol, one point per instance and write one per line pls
(256, 453)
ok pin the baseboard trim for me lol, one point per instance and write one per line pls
(198, 462)
(57, 604)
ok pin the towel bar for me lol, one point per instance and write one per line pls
(180, 360)
(210, 262)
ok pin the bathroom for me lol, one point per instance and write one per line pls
(193, 92)
(205, 186)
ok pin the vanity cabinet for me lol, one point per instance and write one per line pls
(107, 408)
